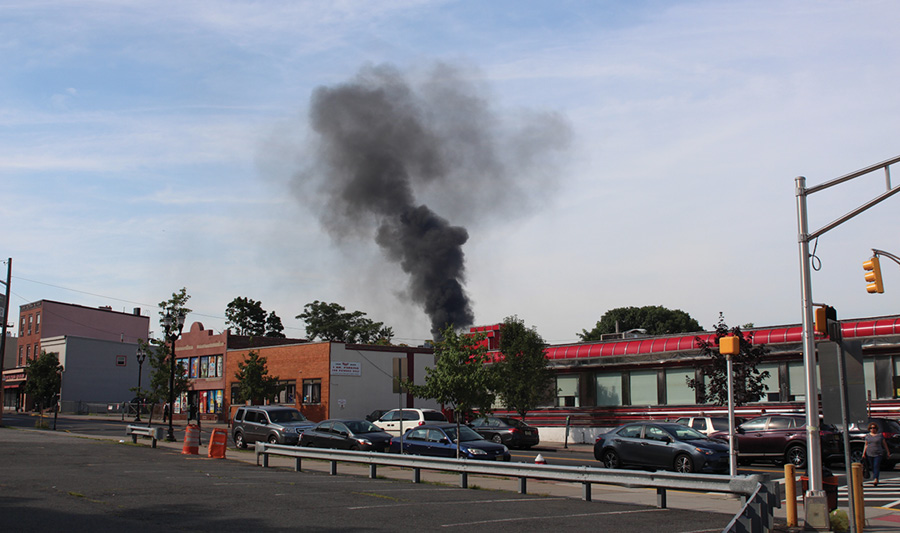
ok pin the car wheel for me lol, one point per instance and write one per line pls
(497, 439)
(684, 464)
(796, 455)
(239, 440)
(611, 459)
(856, 455)
(273, 439)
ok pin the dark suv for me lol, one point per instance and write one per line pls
(274, 424)
(781, 438)
(888, 427)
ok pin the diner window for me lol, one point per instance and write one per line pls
(312, 391)
(609, 389)
(677, 390)
(771, 382)
(644, 387)
(567, 391)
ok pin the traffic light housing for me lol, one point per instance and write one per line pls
(873, 275)
(730, 345)
(824, 313)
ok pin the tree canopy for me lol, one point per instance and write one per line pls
(246, 316)
(254, 382)
(43, 379)
(523, 379)
(656, 320)
(748, 380)
(331, 322)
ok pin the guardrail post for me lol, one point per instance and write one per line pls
(660, 498)
(586, 492)
(417, 475)
(333, 468)
(297, 465)
(523, 485)
(464, 480)
(372, 471)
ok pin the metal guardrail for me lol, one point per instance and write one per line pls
(155, 433)
(744, 486)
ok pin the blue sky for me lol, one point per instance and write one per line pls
(149, 146)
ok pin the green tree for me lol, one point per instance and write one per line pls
(748, 380)
(523, 379)
(254, 382)
(656, 320)
(331, 322)
(42, 380)
(246, 316)
(274, 327)
(460, 377)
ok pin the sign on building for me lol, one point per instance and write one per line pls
(344, 368)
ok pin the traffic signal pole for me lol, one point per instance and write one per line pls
(816, 505)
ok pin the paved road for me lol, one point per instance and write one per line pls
(59, 481)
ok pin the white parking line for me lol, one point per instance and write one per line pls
(544, 517)
(457, 502)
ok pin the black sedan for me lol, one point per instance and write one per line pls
(509, 431)
(661, 446)
(346, 435)
(439, 440)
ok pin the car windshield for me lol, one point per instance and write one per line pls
(361, 426)
(685, 433)
(466, 433)
(282, 416)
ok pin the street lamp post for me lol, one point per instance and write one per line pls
(141, 356)
(172, 326)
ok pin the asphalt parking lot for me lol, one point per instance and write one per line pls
(72, 483)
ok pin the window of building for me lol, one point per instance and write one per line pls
(643, 387)
(21, 356)
(27, 352)
(567, 391)
(772, 394)
(288, 393)
(797, 379)
(37, 323)
(869, 372)
(30, 322)
(312, 391)
(609, 389)
(204, 367)
(677, 391)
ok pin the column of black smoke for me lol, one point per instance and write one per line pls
(380, 138)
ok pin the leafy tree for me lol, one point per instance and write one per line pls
(43, 379)
(748, 380)
(274, 327)
(254, 382)
(331, 322)
(523, 378)
(657, 320)
(176, 304)
(460, 377)
(246, 316)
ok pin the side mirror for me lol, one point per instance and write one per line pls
(739, 430)
(445, 440)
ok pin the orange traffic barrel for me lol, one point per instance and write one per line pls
(217, 443)
(191, 440)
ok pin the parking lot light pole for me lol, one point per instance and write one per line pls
(172, 326)
(141, 356)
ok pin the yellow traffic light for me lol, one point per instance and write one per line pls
(730, 345)
(823, 314)
(873, 275)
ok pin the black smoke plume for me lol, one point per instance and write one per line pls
(383, 141)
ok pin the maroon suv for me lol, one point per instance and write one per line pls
(780, 438)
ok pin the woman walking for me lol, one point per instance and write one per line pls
(875, 450)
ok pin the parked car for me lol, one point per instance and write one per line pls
(781, 438)
(274, 424)
(408, 418)
(708, 424)
(439, 440)
(346, 435)
(661, 445)
(375, 415)
(890, 428)
(509, 431)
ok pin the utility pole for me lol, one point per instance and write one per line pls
(3, 333)
(815, 503)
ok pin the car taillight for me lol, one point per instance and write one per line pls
(888, 435)
(421, 422)
(515, 430)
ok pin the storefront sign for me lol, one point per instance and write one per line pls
(341, 368)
